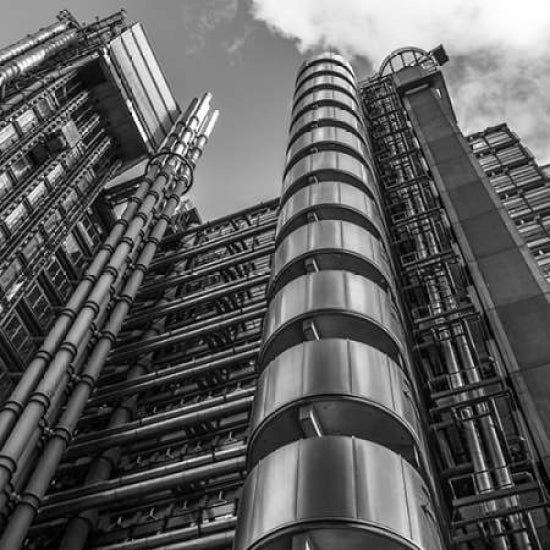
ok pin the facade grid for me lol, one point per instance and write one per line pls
(361, 362)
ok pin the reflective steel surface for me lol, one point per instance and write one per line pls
(340, 492)
(330, 245)
(329, 200)
(345, 386)
(336, 449)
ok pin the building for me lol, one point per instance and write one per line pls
(358, 363)
(67, 126)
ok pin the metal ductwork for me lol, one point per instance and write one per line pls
(31, 59)
(29, 42)
(336, 411)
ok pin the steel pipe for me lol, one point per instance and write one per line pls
(185, 333)
(207, 269)
(152, 427)
(161, 479)
(35, 57)
(175, 374)
(179, 255)
(214, 456)
(193, 534)
(218, 221)
(32, 40)
(178, 141)
(13, 406)
(196, 298)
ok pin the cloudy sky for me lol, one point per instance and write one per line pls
(247, 51)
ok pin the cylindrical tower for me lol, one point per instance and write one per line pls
(335, 455)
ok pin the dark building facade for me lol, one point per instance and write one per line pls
(360, 363)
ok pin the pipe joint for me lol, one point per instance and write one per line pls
(127, 240)
(110, 270)
(173, 195)
(8, 464)
(142, 216)
(141, 267)
(44, 353)
(69, 346)
(30, 499)
(71, 314)
(153, 239)
(164, 217)
(90, 277)
(87, 379)
(107, 333)
(135, 199)
(63, 433)
(13, 406)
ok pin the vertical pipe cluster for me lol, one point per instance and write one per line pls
(336, 456)
(101, 302)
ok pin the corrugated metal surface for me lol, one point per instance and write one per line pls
(143, 84)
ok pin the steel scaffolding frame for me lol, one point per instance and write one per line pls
(494, 489)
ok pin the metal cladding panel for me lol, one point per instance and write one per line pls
(324, 68)
(326, 81)
(144, 84)
(319, 97)
(340, 492)
(326, 57)
(333, 244)
(334, 116)
(323, 135)
(329, 200)
(342, 305)
(333, 163)
(355, 390)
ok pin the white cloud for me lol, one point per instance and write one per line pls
(202, 17)
(499, 49)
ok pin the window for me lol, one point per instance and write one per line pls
(44, 108)
(36, 194)
(32, 247)
(8, 135)
(75, 253)
(14, 219)
(27, 120)
(69, 200)
(53, 223)
(21, 167)
(59, 279)
(40, 306)
(9, 277)
(19, 336)
(55, 174)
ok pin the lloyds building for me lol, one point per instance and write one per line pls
(362, 362)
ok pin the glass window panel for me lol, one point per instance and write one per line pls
(55, 174)
(32, 247)
(69, 200)
(44, 108)
(7, 136)
(36, 194)
(9, 276)
(21, 167)
(27, 120)
(5, 184)
(16, 217)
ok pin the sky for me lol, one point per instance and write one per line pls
(246, 52)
